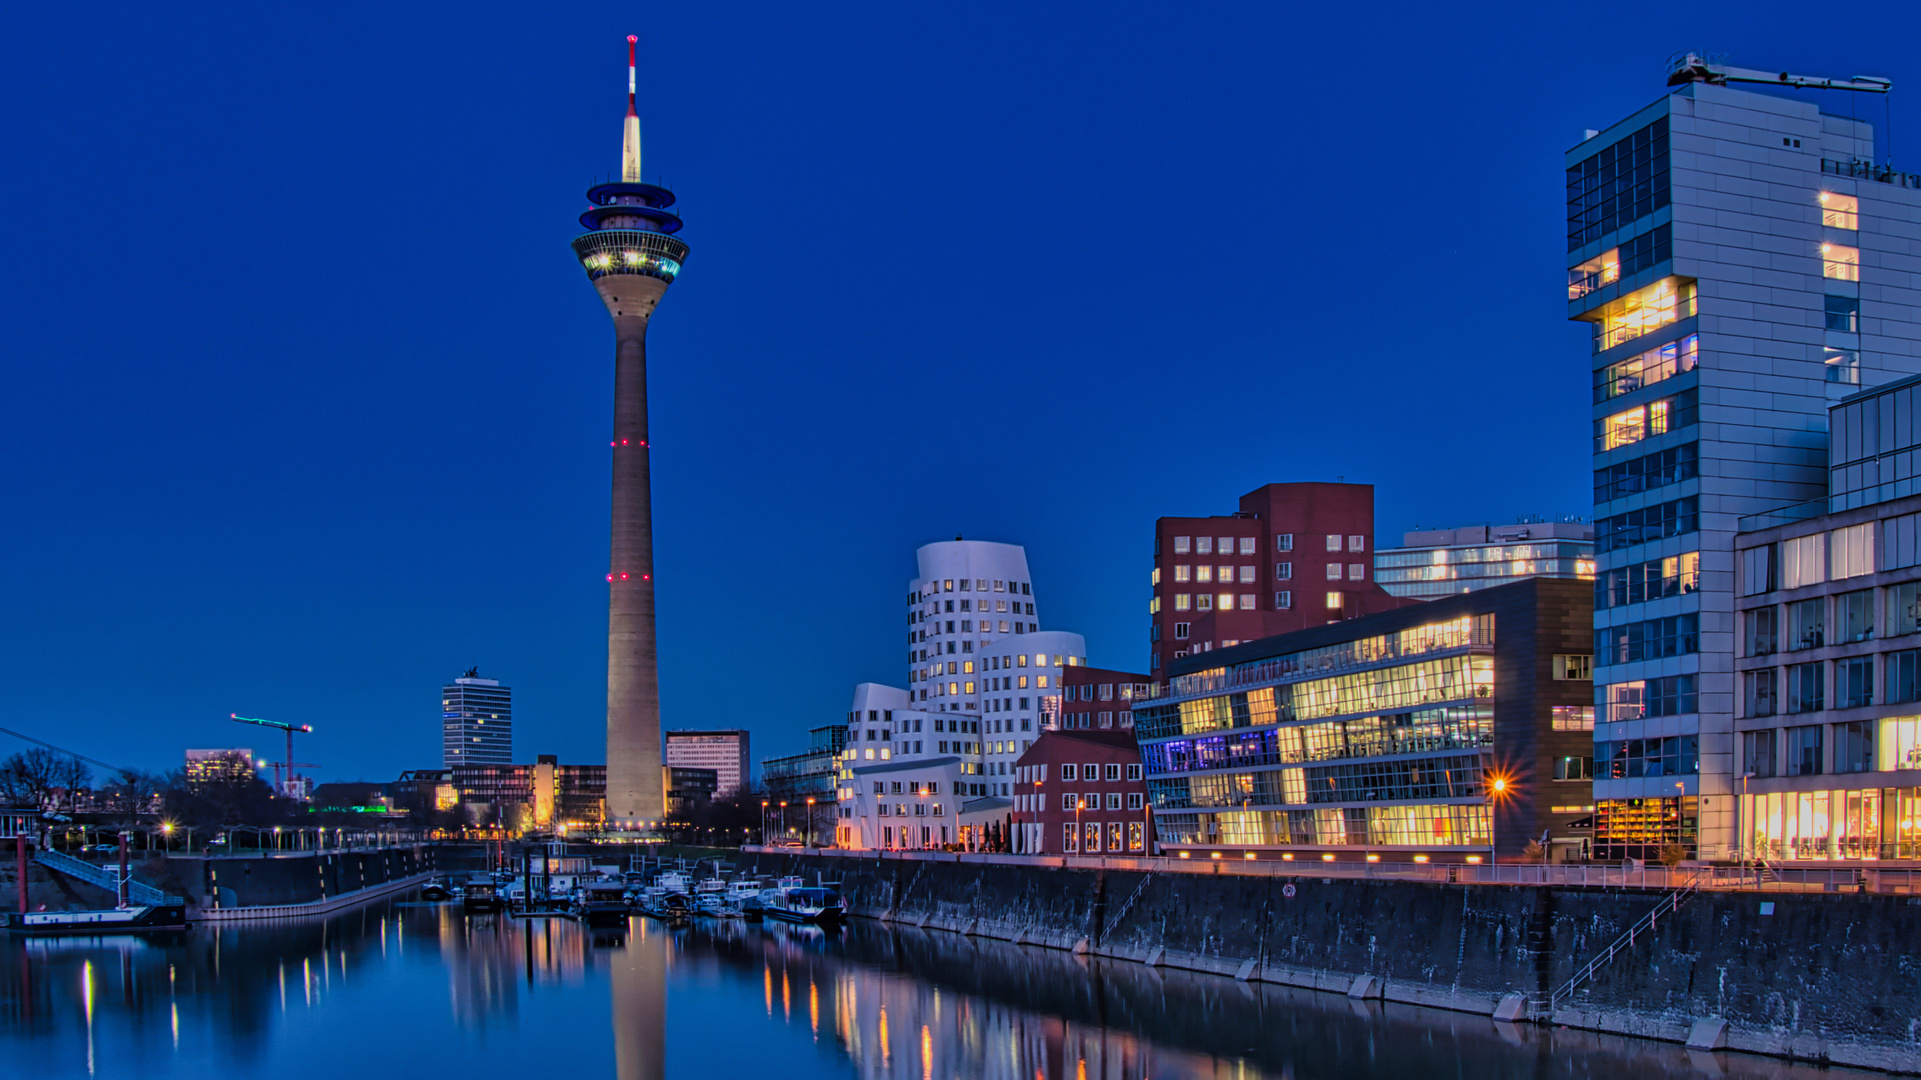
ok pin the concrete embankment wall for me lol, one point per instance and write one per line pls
(243, 881)
(1822, 976)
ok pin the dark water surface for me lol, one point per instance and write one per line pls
(408, 989)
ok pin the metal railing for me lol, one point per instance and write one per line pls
(1644, 925)
(1867, 170)
(1775, 878)
(103, 877)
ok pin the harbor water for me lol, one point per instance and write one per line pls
(404, 987)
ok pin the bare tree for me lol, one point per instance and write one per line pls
(41, 778)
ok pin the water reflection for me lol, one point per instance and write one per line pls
(396, 984)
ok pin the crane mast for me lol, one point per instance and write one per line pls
(288, 762)
(1693, 67)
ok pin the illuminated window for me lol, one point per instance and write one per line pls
(1204, 602)
(1182, 601)
(1840, 262)
(1183, 573)
(1646, 421)
(1203, 573)
(1225, 574)
(1662, 362)
(1333, 601)
(1603, 269)
(1642, 311)
(1840, 211)
(1842, 365)
(1227, 601)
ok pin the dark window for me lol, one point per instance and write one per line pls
(1854, 747)
(1844, 314)
(1763, 629)
(1807, 623)
(1854, 682)
(1657, 522)
(1854, 611)
(1676, 575)
(1903, 677)
(1804, 751)
(1631, 477)
(1904, 609)
(1757, 748)
(1758, 692)
(1676, 635)
(1623, 182)
(1627, 759)
(1806, 688)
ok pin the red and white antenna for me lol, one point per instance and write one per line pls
(630, 131)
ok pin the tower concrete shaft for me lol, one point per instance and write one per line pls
(631, 255)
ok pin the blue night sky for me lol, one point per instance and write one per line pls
(306, 400)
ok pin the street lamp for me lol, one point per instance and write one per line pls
(1497, 789)
(763, 821)
(783, 819)
(810, 821)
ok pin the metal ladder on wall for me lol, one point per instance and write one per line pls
(1644, 925)
(105, 878)
(1125, 906)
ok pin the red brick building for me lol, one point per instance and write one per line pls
(1294, 556)
(1098, 699)
(1080, 792)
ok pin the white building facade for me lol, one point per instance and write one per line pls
(983, 680)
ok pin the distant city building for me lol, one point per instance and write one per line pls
(1741, 263)
(1450, 730)
(1098, 699)
(477, 722)
(536, 796)
(982, 679)
(218, 766)
(1432, 563)
(809, 773)
(724, 751)
(1293, 556)
(1080, 792)
(688, 789)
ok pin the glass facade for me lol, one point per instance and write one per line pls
(1425, 573)
(1622, 183)
(1286, 762)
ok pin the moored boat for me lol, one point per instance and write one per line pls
(601, 903)
(135, 919)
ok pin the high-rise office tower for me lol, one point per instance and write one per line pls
(476, 722)
(1741, 262)
(631, 255)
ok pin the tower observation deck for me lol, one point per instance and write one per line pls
(631, 254)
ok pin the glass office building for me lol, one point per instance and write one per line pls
(1740, 263)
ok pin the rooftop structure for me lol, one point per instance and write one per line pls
(1431, 563)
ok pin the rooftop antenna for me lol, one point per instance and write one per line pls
(630, 131)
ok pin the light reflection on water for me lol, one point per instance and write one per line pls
(395, 986)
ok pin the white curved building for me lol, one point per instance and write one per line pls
(983, 681)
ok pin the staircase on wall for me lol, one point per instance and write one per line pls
(104, 877)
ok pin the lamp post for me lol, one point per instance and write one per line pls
(1039, 803)
(783, 819)
(1496, 791)
(763, 821)
(810, 821)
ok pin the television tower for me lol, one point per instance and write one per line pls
(631, 256)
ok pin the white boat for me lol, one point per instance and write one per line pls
(792, 901)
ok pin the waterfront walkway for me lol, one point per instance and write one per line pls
(1765, 878)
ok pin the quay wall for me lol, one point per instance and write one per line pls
(1820, 976)
(247, 881)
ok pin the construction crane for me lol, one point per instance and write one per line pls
(288, 763)
(1693, 67)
